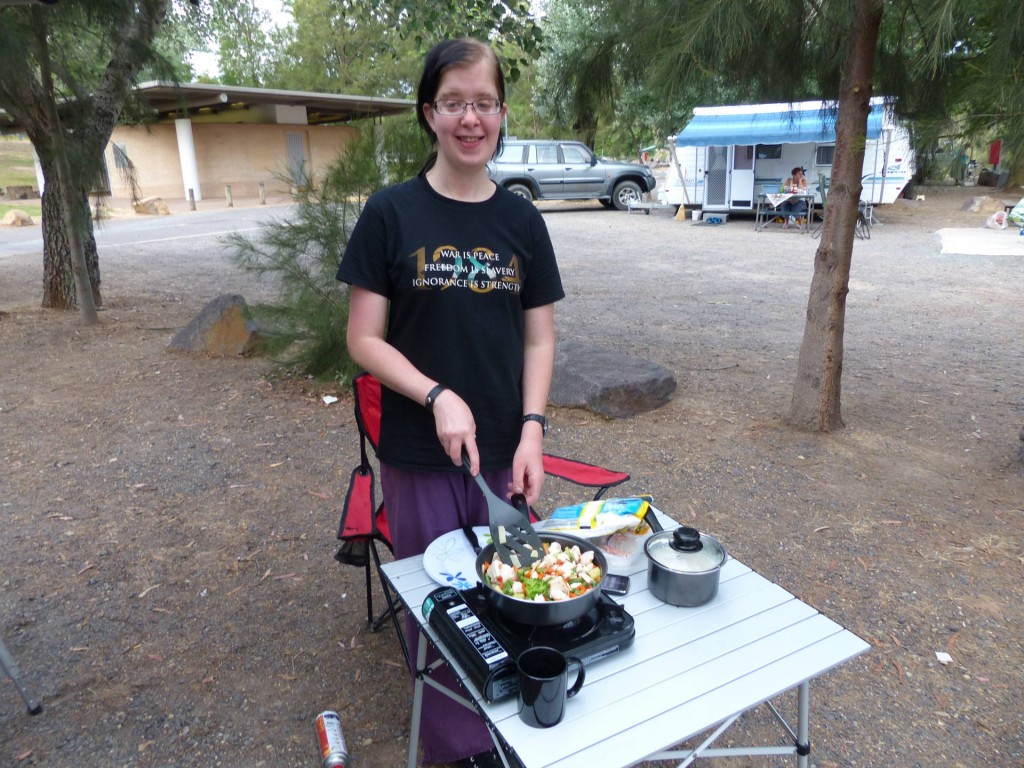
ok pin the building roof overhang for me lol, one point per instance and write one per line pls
(169, 100)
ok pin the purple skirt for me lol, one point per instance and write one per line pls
(421, 507)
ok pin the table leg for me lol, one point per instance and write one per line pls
(417, 700)
(11, 670)
(803, 742)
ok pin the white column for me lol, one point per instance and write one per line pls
(187, 157)
(378, 148)
(39, 172)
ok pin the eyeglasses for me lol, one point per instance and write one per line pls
(453, 108)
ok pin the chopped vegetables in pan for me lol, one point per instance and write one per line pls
(560, 574)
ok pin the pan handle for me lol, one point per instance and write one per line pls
(519, 502)
(653, 521)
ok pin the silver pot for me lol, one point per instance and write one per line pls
(683, 566)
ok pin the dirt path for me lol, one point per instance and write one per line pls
(167, 585)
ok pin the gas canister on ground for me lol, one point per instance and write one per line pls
(333, 752)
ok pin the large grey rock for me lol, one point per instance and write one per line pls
(221, 330)
(609, 383)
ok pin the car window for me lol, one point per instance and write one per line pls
(511, 153)
(573, 153)
(543, 153)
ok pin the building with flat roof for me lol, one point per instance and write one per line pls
(205, 137)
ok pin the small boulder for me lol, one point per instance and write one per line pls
(608, 383)
(151, 206)
(220, 330)
(16, 218)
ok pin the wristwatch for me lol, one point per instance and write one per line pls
(540, 419)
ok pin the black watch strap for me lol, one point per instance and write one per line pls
(540, 419)
(428, 403)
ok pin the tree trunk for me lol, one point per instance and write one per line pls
(816, 401)
(59, 290)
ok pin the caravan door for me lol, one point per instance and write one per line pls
(716, 179)
(729, 179)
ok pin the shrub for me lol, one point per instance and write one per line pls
(304, 327)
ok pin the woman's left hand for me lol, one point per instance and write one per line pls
(528, 469)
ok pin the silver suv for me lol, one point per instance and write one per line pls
(568, 170)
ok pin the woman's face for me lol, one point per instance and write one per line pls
(467, 141)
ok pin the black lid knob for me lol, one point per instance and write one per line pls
(686, 539)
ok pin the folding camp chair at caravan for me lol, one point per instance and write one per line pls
(865, 212)
(364, 523)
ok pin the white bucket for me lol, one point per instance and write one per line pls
(695, 214)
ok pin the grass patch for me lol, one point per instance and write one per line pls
(16, 166)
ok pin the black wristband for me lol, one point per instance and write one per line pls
(428, 403)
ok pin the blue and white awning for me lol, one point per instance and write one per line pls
(769, 124)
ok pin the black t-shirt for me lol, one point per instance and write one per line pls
(458, 277)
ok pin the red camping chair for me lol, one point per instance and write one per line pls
(364, 523)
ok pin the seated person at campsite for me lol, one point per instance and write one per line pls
(796, 184)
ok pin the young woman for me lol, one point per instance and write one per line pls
(453, 283)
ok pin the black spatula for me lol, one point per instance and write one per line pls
(514, 538)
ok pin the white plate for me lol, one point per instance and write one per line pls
(450, 560)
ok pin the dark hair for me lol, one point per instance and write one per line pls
(441, 58)
(793, 172)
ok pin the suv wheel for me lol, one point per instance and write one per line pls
(626, 192)
(520, 190)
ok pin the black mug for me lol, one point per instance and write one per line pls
(543, 685)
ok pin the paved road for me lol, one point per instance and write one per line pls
(145, 230)
(153, 249)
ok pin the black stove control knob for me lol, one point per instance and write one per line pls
(613, 613)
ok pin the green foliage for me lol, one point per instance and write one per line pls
(592, 84)
(300, 255)
(500, 22)
(245, 48)
(955, 68)
(345, 47)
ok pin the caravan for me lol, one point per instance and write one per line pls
(727, 156)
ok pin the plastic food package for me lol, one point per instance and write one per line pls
(616, 526)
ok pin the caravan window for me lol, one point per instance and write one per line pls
(769, 151)
(823, 154)
(743, 158)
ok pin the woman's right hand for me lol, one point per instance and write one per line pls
(456, 429)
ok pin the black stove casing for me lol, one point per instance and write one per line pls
(487, 645)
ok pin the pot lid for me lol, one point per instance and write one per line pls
(685, 550)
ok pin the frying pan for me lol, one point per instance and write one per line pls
(550, 613)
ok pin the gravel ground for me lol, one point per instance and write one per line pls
(168, 522)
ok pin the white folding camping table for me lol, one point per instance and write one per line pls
(690, 671)
(768, 210)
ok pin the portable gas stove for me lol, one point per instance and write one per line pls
(487, 645)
